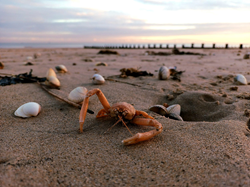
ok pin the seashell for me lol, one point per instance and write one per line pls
(61, 69)
(78, 94)
(240, 79)
(52, 79)
(36, 55)
(159, 109)
(102, 64)
(28, 110)
(174, 116)
(29, 58)
(164, 73)
(98, 79)
(176, 109)
(51, 72)
(1, 65)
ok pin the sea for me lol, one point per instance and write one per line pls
(81, 45)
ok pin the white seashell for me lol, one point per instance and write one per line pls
(98, 79)
(28, 110)
(175, 117)
(61, 69)
(52, 79)
(240, 79)
(78, 94)
(159, 109)
(29, 58)
(164, 73)
(176, 109)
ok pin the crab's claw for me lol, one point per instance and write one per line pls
(139, 137)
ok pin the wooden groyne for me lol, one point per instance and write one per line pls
(161, 46)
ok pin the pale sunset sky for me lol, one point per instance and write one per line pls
(125, 21)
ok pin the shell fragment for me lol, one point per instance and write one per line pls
(240, 79)
(98, 79)
(164, 73)
(78, 94)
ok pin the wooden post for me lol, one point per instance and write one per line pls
(149, 46)
(226, 47)
(143, 46)
(213, 46)
(183, 46)
(192, 45)
(167, 46)
(241, 46)
(202, 45)
(154, 46)
(174, 46)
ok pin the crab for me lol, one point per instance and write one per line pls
(122, 111)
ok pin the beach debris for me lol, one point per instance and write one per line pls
(157, 53)
(29, 64)
(240, 79)
(164, 73)
(29, 58)
(176, 51)
(88, 60)
(28, 110)
(234, 88)
(36, 55)
(246, 56)
(102, 64)
(122, 111)
(73, 64)
(135, 72)
(20, 78)
(61, 69)
(98, 79)
(171, 112)
(108, 52)
(52, 80)
(1, 65)
(78, 94)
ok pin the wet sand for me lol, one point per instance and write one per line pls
(209, 148)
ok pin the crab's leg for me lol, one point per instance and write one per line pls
(139, 137)
(85, 104)
(101, 113)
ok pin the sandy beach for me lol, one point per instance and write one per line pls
(209, 148)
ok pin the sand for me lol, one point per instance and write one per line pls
(209, 148)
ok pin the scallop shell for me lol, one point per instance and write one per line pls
(164, 73)
(28, 110)
(240, 79)
(98, 79)
(78, 94)
(176, 109)
(159, 109)
(61, 69)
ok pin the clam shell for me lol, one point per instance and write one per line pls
(98, 79)
(53, 81)
(159, 109)
(61, 69)
(164, 73)
(176, 109)
(175, 117)
(29, 58)
(51, 72)
(240, 79)
(28, 110)
(78, 94)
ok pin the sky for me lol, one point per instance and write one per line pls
(125, 22)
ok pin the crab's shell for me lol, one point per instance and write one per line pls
(123, 109)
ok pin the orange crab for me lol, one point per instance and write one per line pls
(122, 110)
